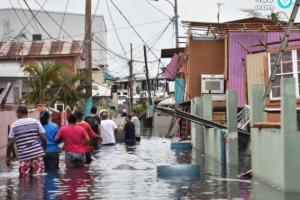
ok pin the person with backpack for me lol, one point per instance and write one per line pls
(91, 134)
(95, 123)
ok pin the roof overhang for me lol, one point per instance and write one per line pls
(169, 53)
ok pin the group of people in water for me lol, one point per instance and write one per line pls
(38, 141)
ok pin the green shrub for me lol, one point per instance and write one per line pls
(139, 109)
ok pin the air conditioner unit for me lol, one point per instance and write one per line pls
(212, 84)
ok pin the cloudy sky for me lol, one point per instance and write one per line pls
(141, 12)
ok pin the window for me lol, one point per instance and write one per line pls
(289, 68)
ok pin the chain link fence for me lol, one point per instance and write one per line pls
(20, 87)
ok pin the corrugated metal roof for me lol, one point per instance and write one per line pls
(236, 69)
(171, 68)
(11, 70)
(40, 48)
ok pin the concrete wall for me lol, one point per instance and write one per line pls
(7, 118)
(275, 151)
(267, 155)
(213, 143)
(161, 124)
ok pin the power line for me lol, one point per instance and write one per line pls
(27, 17)
(63, 18)
(24, 27)
(57, 25)
(154, 42)
(148, 47)
(137, 25)
(18, 16)
(116, 30)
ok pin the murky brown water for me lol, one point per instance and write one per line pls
(119, 173)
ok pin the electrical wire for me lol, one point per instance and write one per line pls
(18, 16)
(63, 19)
(149, 48)
(24, 27)
(37, 30)
(57, 25)
(137, 25)
(116, 31)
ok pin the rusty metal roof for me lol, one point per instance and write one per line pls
(40, 48)
(242, 25)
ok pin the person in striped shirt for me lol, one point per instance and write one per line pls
(27, 133)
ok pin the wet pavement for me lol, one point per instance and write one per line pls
(118, 172)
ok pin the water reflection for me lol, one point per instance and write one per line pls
(130, 173)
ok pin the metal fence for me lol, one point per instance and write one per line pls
(20, 89)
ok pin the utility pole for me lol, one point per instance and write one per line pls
(88, 56)
(130, 79)
(176, 24)
(175, 6)
(219, 4)
(147, 76)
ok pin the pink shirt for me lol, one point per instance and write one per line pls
(73, 137)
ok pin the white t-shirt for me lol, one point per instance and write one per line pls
(107, 131)
(136, 122)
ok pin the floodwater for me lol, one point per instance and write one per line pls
(118, 172)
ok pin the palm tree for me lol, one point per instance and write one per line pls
(277, 16)
(50, 81)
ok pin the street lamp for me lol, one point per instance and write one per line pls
(176, 20)
(219, 4)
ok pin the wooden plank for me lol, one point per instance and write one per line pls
(226, 59)
(275, 42)
(5, 95)
(263, 43)
(245, 48)
(266, 125)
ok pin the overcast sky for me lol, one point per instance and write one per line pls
(140, 12)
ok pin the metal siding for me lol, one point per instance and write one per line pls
(26, 48)
(206, 57)
(255, 70)
(179, 85)
(272, 37)
(236, 69)
(56, 47)
(171, 67)
(4, 48)
(14, 49)
(46, 48)
(76, 47)
(36, 48)
(66, 48)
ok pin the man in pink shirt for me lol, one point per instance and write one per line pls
(75, 138)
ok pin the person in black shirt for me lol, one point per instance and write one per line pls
(129, 131)
(95, 123)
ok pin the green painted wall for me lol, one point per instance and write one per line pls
(179, 86)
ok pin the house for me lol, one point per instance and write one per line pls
(15, 55)
(12, 73)
(158, 87)
(61, 26)
(229, 49)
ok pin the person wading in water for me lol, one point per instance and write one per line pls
(91, 134)
(75, 138)
(51, 159)
(27, 133)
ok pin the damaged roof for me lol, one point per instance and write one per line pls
(40, 48)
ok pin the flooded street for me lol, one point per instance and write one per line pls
(118, 172)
